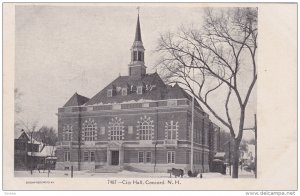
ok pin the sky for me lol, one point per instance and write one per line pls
(61, 50)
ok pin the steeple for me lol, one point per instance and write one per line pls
(137, 66)
(138, 36)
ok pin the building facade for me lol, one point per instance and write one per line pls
(136, 123)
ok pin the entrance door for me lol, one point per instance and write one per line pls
(115, 157)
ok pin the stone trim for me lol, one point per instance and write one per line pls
(90, 121)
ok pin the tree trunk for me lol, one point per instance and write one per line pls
(236, 156)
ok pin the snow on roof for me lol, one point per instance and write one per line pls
(47, 151)
(18, 134)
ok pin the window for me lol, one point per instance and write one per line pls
(140, 56)
(141, 157)
(145, 127)
(67, 156)
(92, 156)
(67, 133)
(116, 129)
(171, 157)
(139, 90)
(86, 156)
(148, 157)
(89, 130)
(124, 91)
(135, 57)
(131, 88)
(109, 93)
(171, 130)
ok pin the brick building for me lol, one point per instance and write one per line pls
(137, 123)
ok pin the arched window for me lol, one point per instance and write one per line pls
(89, 132)
(116, 129)
(145, 128)
(171, 130)
(67, 132)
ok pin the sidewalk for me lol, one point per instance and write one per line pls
(124, 173)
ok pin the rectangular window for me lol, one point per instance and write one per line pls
(148, 157)
(92, 155)
(171, 130)
(67, 156)
(135, 56)
(140, 56)
(124, 91)
(116, 132)
(109, 93)
(171, 157)
(86, 156)
(67, 133)
(141, 157)
(139, 90)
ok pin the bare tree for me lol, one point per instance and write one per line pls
(18, 107)
(217, 59)
(47, 135)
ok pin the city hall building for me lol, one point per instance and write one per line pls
(135, 123)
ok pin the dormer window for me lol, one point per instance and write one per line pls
(124, 91)
(109, 93)
(139, 90)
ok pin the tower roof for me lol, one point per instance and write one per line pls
(76, 100)
(138, 35)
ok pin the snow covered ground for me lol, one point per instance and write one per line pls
(124, 173)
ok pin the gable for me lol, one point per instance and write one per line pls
(24, 136)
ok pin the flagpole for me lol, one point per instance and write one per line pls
(192, 129)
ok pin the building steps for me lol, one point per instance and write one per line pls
(108, 169)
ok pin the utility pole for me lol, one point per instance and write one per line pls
(192, 131)
(31, 149)
(203, 141)
(255, 129)
(79, 140)
(229, 158)
(155, 147)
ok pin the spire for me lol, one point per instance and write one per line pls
(137, 66)
(138, 35)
